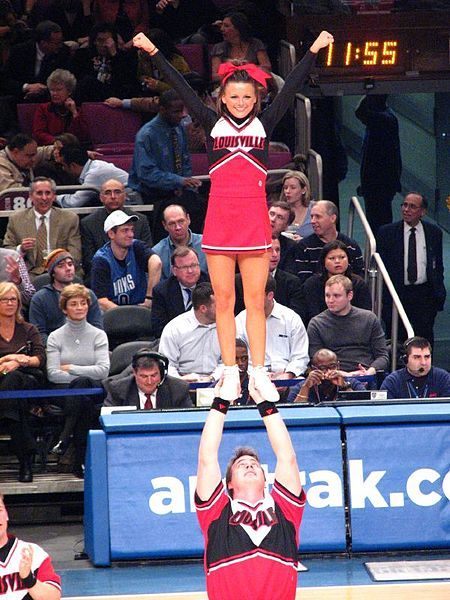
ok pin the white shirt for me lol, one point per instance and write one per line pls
(143, 399)
(421, 247)
(39, 58)
(286, 340)
(190, 346)
(94, 174)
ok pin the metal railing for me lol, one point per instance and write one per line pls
(370, 244)
(377, 276)
(383, 277)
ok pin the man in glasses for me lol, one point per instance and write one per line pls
(173, 296)
(113, 196)
(412, 252)
(324, 380)
(176, 221)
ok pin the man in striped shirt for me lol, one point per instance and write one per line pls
(324, 216)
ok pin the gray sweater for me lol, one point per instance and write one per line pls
(356, 338)
(81, 345)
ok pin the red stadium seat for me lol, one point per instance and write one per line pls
(111, 149)
(279, 160)
(25, 116)
(123, 161)
(110, 125)
(196, 58)
(199, 163)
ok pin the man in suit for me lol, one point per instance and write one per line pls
(148, 386)
(35, 231)
(173, 296)
(412, 252)
(18, 160)
(381, 163)
(30, 63)
(112, 196)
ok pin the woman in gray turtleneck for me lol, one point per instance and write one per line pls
(77, 357)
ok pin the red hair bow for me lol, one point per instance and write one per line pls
(226, 69)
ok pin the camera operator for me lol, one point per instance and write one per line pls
(324, 380)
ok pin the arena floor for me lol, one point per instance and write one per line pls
(327, 578)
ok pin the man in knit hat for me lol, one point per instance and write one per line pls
(44, 307)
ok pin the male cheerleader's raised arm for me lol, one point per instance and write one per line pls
(208, 470)
(286, 469)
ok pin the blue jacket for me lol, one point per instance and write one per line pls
(396, 384)
(153, 164)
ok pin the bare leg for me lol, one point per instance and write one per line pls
(221, 269)
(254, 270)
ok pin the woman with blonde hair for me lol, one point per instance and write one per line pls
(22, 356)
(77, 357)
(296, 191)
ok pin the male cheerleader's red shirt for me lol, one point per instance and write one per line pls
(251, 550)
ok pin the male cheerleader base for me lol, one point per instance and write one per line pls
(251, 536)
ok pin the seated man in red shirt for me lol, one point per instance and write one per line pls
(251, 536)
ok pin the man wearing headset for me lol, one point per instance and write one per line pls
(418, 379)
(147, 386)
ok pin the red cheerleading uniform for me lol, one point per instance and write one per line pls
(237, 221)
(251, 551)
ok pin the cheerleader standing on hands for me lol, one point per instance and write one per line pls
(237, 227)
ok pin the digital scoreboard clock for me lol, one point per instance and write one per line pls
(375, 55)
(392, 50)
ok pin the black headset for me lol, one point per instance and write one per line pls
(409, 342)
(162, 361)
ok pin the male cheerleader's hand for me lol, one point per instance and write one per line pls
(25, 562)
(142, 42)
(323, 40)
(255, 395)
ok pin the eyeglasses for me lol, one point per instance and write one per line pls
(411, 206)
(8, 300)
(192, 266)
(179, 223)
(112, 192)
(325, 368)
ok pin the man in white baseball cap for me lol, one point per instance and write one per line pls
(124, 270)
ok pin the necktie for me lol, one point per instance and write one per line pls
(412, 256)
(188, 303)
(176, 152)
(41, 244)
(148, 402)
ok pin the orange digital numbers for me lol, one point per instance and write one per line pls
(370, 53)
(362, 53)
(389, 53)
(330, 55)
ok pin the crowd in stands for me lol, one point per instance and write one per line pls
(60, 272)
